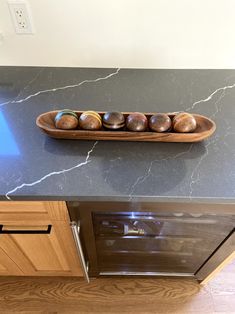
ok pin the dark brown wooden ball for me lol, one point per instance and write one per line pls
(160, 122)
(113, 120)
(66, 120)
(136, 122)
(90, 120)
(184, 122)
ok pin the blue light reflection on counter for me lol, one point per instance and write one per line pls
(8, 146)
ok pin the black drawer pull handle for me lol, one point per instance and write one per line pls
(25, 231)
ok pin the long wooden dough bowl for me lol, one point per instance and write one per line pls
(205, 128)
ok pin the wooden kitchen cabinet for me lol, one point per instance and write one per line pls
(37, 242)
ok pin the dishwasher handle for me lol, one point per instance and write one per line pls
(75, 226)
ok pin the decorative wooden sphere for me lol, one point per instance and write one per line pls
(136, 122)
(90, 120)
(66, 120)
(113, 120)
(160, 122)
(184, 122)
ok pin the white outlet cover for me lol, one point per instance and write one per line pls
(21, 4)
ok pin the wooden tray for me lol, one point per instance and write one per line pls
(205, 128)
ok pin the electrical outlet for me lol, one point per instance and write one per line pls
(21, 16)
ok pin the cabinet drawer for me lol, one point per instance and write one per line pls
(22, 207)
(35, 210)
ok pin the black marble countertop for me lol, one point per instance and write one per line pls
(36, 167)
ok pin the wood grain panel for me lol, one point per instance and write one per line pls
(22, 207)
(57, 210)
(38, 254)
(40, 251)
(7, 266)
(116, 295)
(22, 218)
(2, 268)
(67, 244)
(42, 254)
(13, 251)
(106, 296)
(24, 210)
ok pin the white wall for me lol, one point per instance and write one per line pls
(123, 33)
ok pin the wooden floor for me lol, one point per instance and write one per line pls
(110, 295)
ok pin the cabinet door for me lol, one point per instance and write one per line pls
(7, 266)
(40, 249)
